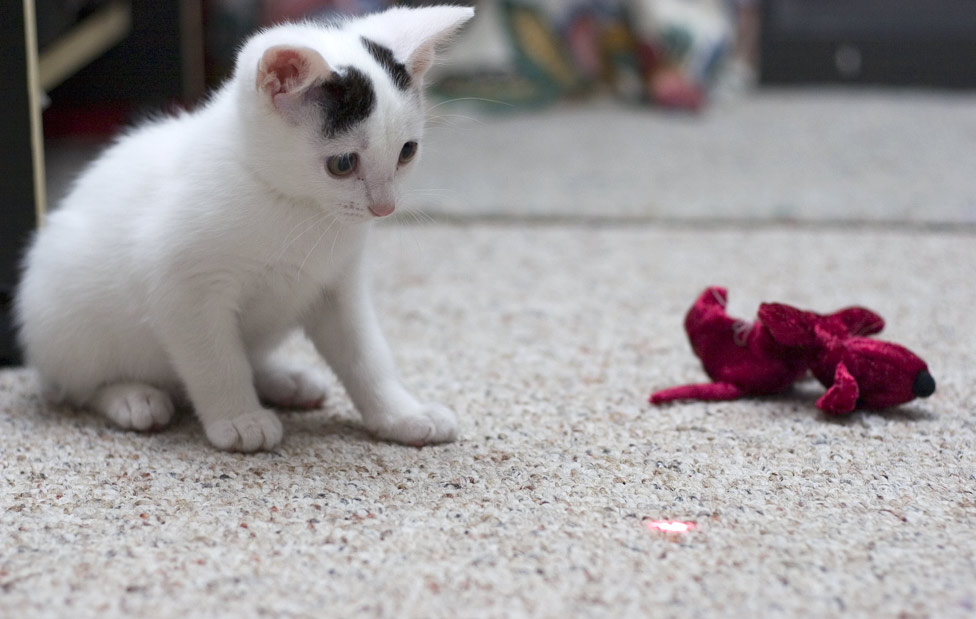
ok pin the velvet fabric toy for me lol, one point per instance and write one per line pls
(767, 356)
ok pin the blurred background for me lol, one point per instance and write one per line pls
(701, 111)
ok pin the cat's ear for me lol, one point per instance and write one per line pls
(286, 73)
(414, 34)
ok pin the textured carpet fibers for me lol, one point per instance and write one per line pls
(547, 341)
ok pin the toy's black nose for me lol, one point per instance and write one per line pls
(924, 385)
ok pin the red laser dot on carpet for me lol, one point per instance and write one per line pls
(670, 526)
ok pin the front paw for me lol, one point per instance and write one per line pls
(429, 423)
(257, 430)
(291, 387)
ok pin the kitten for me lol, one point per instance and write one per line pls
(189, 250)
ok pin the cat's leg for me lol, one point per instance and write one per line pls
(286, 384)
(345, 331)
(282, 382)
(203, 339)
(134, 406)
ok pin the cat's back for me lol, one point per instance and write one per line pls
(134, 170)
(100, 236)
(124, 195)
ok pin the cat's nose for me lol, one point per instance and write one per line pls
(382, 209)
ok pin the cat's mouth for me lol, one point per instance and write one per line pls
(382, 210)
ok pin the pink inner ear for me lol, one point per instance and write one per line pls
(280, 70)
(285, 70)
(288, 69)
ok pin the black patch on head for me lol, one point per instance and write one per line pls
(384, 56)
(347, 99)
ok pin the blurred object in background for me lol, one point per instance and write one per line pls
(888, 42)
(743, 66)
(275, 11)
(229, 22)
(153, 60)
(56, 17)
(666, 52)
(681, 45)
(535, 52)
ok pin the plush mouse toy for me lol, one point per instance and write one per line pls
(769, 355)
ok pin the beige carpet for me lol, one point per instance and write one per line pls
(808, 155)
(547, 340)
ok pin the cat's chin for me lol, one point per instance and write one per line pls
(355, 218)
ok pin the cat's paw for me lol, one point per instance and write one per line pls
(429, 423)
(291, 387)
(254, 431)
(134, 406)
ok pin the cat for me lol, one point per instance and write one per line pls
(187, 252)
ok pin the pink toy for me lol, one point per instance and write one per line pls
(769, 355)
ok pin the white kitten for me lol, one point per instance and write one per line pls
(187, 252)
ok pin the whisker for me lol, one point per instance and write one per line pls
(422, 216)
(434, 107)
(445, 117)
(314, 245)
(428, 199)
(335, 238)
(419, 216)
(408, 230)
(427, 190)
(289, 240)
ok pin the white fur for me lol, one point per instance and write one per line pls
(190, 249)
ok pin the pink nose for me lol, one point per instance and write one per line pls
(382, 209)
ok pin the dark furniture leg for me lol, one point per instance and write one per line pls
(17, 215)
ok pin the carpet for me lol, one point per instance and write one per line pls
(791, 154)
(546, 339)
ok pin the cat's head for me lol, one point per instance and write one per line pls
(334, 114)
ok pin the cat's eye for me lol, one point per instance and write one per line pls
(342, 165)
(408, 152)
